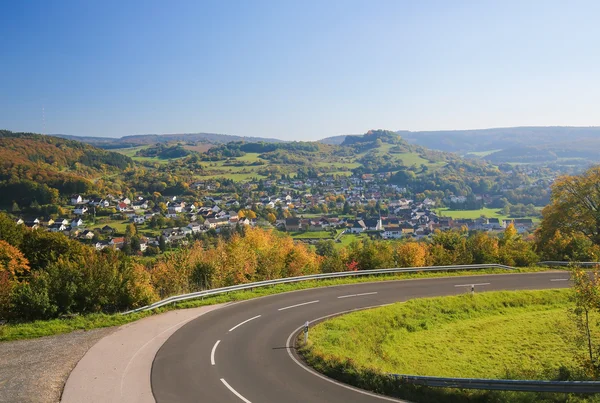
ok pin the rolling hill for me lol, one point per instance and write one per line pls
(39, 168)
(148, 139)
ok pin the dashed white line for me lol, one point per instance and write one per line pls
(212, 353)
(235, 392)
(246, 321)
(357, 295)
(469, 285)
(294, 306)
(559, 279)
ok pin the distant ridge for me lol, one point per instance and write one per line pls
(475, 140)
(145, 139)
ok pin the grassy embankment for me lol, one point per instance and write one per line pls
(16, 331)
(517, 335)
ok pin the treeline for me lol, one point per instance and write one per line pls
(240, 148)
(163, 151)
(444, 248)
(46, 275)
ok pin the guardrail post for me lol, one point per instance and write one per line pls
(306, 332)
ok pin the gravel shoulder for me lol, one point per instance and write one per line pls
(35, 371)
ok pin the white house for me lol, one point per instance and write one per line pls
(76, 199)
(140, 205)
(80, 209)
(78, 222)
(57, 227)
(195, 227)
(357, 227)
(138, 219)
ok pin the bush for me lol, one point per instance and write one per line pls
(30, 301)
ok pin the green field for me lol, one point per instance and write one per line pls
(517, 335)
(482, 154)
(487, 212)
(312, 235)
(130, 152)
(118, 225)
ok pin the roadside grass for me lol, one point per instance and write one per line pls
(17, 331)
(506, 334)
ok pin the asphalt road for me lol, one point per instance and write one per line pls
(240, 353)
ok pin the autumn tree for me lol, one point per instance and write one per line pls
(12, 261)
(574, 207)
(411, 254)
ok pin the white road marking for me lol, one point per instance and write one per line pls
(357, 295)
(469, 285)
(235, 392)
(246, 321)
(294, 306)
(559, 279)
(212, 353)
(310, 370)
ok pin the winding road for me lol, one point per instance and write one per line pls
(244, 352)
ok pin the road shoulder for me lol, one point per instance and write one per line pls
(117, 368)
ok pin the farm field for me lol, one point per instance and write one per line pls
(130, 152)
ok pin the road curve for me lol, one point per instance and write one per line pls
(239, 353)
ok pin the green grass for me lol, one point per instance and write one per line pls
(508, 334)
(312, 234)
(119, 225)
(487, 212)
(347, 239)
(16, 331)
(249, 157)
(412, 159)
(238, 177)
(130, 151)
(482, 154)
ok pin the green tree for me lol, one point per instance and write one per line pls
(587, 304)
(10, 231)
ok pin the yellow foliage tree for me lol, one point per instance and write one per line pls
(411, 254)
(12, 261)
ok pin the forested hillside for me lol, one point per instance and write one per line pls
(39, 169)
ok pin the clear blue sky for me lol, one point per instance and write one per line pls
(296, 70)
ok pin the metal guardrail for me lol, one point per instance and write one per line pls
(566, 264)
(248, 286)
(503, 384)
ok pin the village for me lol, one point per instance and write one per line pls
(309, 210)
